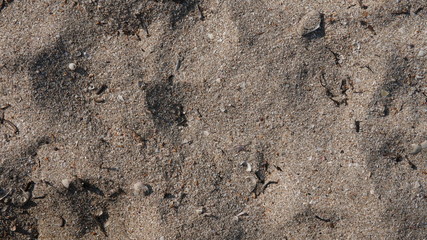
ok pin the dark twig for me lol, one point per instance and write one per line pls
(11, 126)
(322, 219)
(1, 116)
(202, 17)
(267, 184)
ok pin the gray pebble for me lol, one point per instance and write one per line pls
(72, 66)
(66, 183)
(415, 148)
(140, 188)
(309, 23)
(422, 52)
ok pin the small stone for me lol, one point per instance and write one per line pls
(247, 165)
(140, 188)
(99, 100)
(210, 36)
(415, 148)
(66, 183)
(201, 210)
(206, 133)
(241, 214)
(5, 208)
(99, 213)
(309, 23)
(72, 66)
(384, 93)
(59, 221)
(424, 145)
(422, 52)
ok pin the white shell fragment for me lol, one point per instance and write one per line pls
(140, 188)
(309, 23)
(201, 210)
(237, 217)
(415, 148)
(247, 165)
(72, 66)
(66, 182)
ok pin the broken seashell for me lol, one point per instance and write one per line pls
(66, 182)
(237, 217)
(139, 188)
(310, 23)
(247, 165)
(415, 148)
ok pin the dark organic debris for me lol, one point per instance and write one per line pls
(322, 219)
(337, 99)
(267, 184)
(361, 5)
(101, 89)
(357, 126)
(418, 10)
(368, 26)
(12, 126)
(5, 122)
(168, 196)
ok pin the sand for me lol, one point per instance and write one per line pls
(199, 119)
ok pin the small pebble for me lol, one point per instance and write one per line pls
(99, 213)
(422, 52)
(72, 66)
(59, 221)
(384, 93)
(415, 148)
(66, 183)
(309, 23)
(140, 188)
(201, 210)
(237, 217)
(247, 165)
(424, 144)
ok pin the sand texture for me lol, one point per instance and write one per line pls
(213, 119)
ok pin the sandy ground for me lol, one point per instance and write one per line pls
(213, 119)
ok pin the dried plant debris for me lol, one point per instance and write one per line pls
(246, 165)
(6, 122)
(338, 98)
(4, 3)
